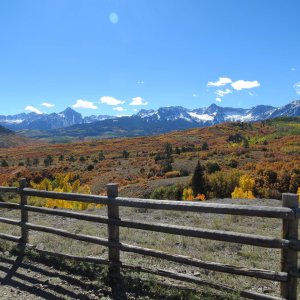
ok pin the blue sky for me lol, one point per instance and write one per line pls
(117, 57)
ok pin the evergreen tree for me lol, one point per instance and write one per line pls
(46, 162)
(36, 162)
(198, 180)
(50, 159)
(4, 163)
(125, 154)
(212, 167)
(28, 162)
(157, 157)
(72, 158)
(204, 146)
(245, 143)
(168, 149)
(177, 150)
(101, 155)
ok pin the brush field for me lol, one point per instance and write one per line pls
(138, 165)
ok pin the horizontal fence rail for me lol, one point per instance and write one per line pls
(289, 243)
(226, 236)
(242, 210)
(8, 189)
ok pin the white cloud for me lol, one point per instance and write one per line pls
(110, 100)
(33, 109)
(222, 81)
(293, 69)
(244, 84)
(221, 93)
(138, 101)
(297, 87)
(118, 108)
(140, 82)
(218, 99)
(195, 95)
(80, 103)
(46, 104)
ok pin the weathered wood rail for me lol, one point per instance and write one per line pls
(289, 243)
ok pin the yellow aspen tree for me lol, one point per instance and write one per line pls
(245, 188)
(187, 194)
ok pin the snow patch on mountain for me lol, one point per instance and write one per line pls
(241, 118)
(202, 117)
(17, 121)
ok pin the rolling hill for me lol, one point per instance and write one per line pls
(10, 139)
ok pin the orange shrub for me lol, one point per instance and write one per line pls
(200, 197)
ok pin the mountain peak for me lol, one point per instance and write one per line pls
(296, 102)
(69, 110)
(213, 106)
(212, 109)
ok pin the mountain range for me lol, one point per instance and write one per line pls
(34, 121)
(70, 123)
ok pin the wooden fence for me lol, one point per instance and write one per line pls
(289, 243)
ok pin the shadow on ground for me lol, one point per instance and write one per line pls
(21, 279)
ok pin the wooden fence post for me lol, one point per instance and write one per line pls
(24, 213)
(289, 257)
(114, 272)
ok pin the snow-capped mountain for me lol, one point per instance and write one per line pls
(33, 121)
(167, 119)
(172, 113)
(145, 122)
(209, 116)
(292, 110)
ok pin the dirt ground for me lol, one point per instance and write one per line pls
(28, 280)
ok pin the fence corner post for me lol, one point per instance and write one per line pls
(24, 213)
(289, 257)
(114, 272)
